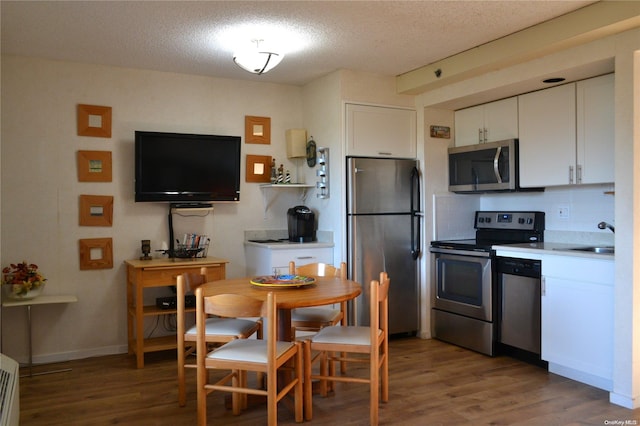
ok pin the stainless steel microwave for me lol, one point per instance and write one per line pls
(487, 167)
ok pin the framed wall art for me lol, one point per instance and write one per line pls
(94, 166)
(96, 253)
(94, 120)
(96, 210)
(258, 168)
(257, 130)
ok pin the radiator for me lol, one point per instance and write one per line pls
(9, 392)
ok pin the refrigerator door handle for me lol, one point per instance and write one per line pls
(415, 213)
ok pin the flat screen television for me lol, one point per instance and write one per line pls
(186, 168)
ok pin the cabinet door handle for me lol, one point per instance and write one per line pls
(578, 173)
(305, 257)
(571, 174)
(543, 286)
(479, 135)
(485, 135)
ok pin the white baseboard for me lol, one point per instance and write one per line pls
(68, 356)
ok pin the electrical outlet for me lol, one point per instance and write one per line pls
(563, 212)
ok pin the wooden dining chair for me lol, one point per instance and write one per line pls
(361, 344)
(241, 355)
(313, 319)
(218, 330)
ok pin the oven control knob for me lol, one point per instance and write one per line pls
(529, 221)
(481, 219)
(488, 220)
(521, 220)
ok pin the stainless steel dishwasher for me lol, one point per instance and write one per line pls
(519, 303)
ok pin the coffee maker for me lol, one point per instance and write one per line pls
(301, 222)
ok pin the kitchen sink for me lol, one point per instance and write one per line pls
(599, 250)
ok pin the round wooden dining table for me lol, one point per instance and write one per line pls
(325, 291)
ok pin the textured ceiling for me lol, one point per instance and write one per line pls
(382, 37)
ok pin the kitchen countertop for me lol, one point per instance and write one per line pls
(562, 249)
(286, 245)
(281, 241)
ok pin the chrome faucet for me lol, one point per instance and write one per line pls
(603, 225)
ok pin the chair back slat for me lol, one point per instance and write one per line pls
(234, 306)
(191, 281)
(319, 270)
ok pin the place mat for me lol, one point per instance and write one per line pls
(283, 281)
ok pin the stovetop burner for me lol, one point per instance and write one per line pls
(493, 228)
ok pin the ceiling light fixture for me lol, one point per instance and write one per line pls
(257, 60)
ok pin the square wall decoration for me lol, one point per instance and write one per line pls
(96, 253)
(257, 130)
(94, 120)
(94, 166)
(258, 168)
(96, 210)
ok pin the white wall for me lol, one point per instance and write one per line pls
(40, 188)
(40, 222)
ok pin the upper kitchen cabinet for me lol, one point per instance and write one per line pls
(595, 130)
(374, 131)
(490, 122)
(566, 134)
(547, 122)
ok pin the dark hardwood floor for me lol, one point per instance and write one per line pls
(431, 383)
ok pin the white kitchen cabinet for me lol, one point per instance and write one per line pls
(547, 124)
(374, 131)
(577, 318)
(566, 134)
(490, 122)
(595, 130)
(265, 259)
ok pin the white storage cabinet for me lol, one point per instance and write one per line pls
(577, 318)
(491, 122)
(567, 134)
(265, 259)
(375, 131)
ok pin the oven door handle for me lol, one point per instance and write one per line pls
(445, 250)
(496, 163)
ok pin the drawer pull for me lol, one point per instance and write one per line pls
(305, 257)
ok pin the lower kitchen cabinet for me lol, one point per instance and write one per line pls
(577, 318)
(267, 259)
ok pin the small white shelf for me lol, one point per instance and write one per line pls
(267, 187)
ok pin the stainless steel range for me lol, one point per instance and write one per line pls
(464, 293)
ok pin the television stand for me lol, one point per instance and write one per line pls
(143, 274)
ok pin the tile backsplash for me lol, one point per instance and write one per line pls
(583, 207)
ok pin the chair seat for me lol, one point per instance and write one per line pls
(246, 350)
(351, 335)
(325, 315)
(225, 327)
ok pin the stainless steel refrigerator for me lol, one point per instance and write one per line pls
(383, 234)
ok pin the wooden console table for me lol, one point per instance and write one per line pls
(143, 274)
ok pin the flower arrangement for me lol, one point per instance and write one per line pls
(22, 278)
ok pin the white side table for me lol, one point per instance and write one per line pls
(40, 300)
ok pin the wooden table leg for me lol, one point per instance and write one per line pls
(284, 325)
